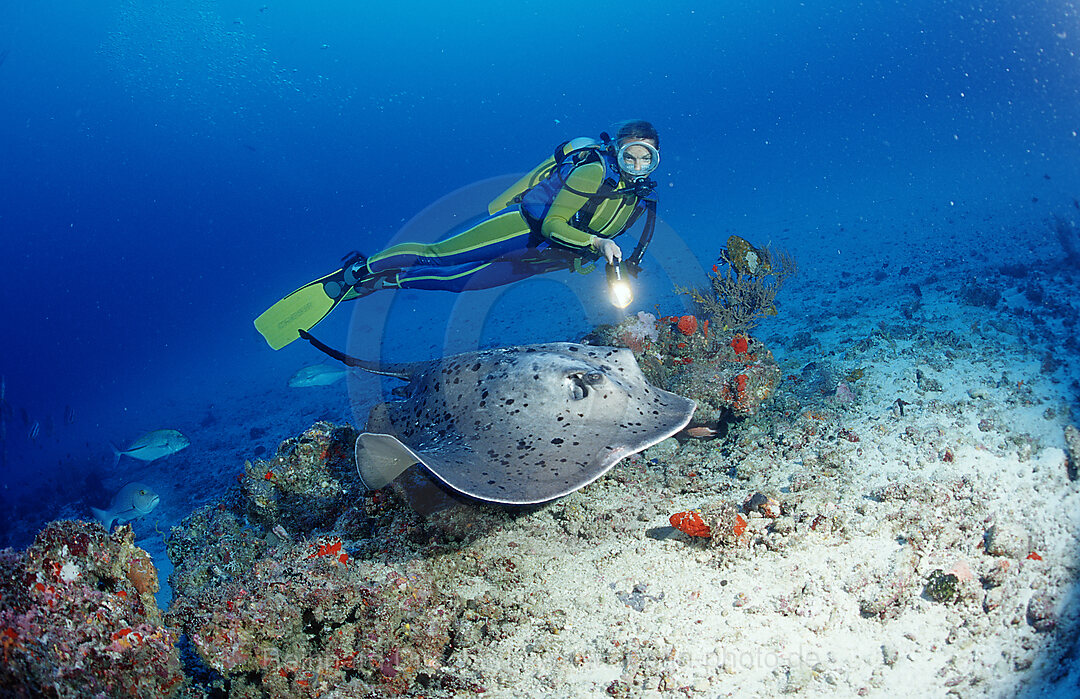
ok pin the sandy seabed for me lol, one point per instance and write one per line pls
(918, 435)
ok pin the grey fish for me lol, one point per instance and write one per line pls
(132, 501)
(515, 425)
(35, 430)
(323, 374)
(153, 446)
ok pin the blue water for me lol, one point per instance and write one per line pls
(170, 169)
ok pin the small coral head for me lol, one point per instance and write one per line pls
(687, 325)
(690, 523)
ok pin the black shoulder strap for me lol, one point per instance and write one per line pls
(561, 153)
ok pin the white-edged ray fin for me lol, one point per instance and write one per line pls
(380, 458)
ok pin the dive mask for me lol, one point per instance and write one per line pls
(637, 159)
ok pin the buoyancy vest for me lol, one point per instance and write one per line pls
(536, 191)
(563, 151)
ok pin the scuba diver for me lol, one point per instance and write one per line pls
(562, 215)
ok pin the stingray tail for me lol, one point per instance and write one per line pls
(400, 371)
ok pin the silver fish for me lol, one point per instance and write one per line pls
(134, 500)
(34, 431)
(153, 446)
(323, 374)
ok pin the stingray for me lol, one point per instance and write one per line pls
(515, 425)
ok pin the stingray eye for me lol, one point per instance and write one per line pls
(594, 378)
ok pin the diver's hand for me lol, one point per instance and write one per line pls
(608, 248)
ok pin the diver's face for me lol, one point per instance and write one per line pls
(637, 158)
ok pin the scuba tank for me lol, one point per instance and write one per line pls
(542, 171)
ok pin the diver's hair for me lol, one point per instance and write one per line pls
(637, 129)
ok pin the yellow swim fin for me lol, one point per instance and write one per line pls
(302, 309)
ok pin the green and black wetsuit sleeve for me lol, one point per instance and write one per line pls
(556, 225)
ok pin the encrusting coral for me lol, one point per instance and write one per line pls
(283, 611)
(308, 617)
(729, 374)
(307, 484)
(78, 617)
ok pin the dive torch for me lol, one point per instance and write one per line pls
(621, 293)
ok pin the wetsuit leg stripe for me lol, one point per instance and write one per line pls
(489, 238)
(406, 278)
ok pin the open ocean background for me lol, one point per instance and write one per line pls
(170, 169)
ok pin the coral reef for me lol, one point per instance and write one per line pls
(893, 508)
(308, 617)
(212, 544)
(297, 583)
(743, 285)
(730, 377)
(730, 374)
(78, 617)
(712, 359)
(307, 484)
